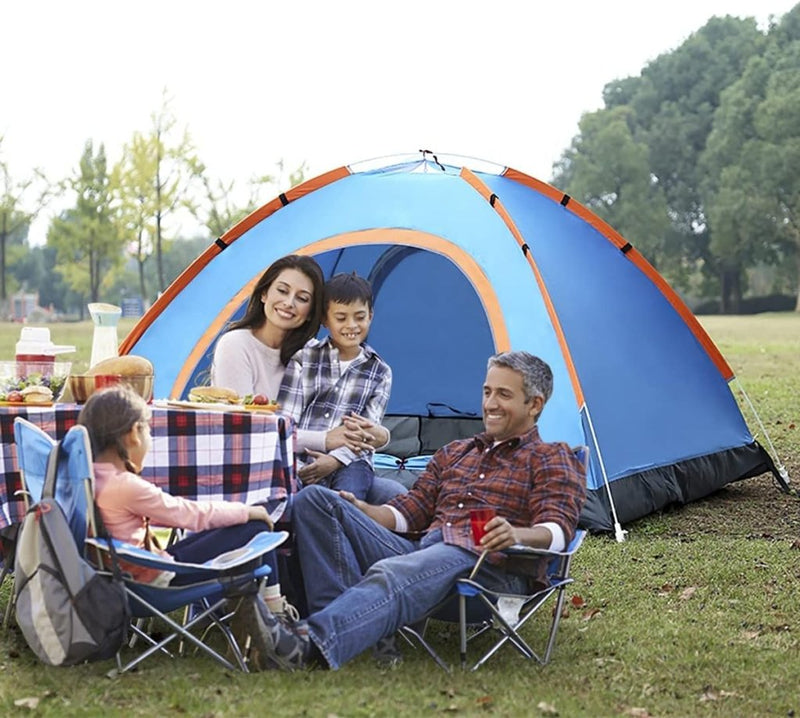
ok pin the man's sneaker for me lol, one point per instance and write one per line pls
(386, 653)
(272, 644)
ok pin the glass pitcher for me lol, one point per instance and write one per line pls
(104, 340)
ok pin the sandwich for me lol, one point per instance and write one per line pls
(37, 394)
(214, 395)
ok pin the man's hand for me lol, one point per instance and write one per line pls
(380, 514)
(499, 535)
(318, 469)
(358, 503)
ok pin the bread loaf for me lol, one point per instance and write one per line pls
(128, 365)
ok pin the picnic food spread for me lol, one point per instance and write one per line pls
(214, 395)
(223, 395)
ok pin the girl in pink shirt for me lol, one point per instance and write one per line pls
(118, 422)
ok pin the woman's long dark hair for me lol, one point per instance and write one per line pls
(254, 317)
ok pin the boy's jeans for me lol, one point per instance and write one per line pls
(356, 478)
(363, 582)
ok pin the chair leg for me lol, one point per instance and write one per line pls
(406, 631)
(182, 631)
(462, 629)
(551, 642)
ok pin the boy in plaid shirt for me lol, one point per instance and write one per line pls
(339, 380)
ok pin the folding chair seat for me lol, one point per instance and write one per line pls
(484, 611)
(227, 576)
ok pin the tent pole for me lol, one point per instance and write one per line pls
(783, 474)
(619, 532)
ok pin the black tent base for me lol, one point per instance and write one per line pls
(646, 492)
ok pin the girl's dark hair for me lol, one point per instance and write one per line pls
(108, 415)
(254, 315)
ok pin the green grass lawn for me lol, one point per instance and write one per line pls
(694, 615)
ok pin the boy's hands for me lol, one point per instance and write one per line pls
(362, 434)
(318, 469)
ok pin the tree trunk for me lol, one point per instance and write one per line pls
(3, 237)
(140, 261)
(731, 291)
(797, 259)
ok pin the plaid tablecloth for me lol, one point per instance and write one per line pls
(212, 455)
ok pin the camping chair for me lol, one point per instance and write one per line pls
(483, 611)
(226, 576)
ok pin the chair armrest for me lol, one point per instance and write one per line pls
(520, 550)
(259, 545)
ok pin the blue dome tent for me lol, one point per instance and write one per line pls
(467, 262)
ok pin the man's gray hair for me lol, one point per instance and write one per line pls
(537, 377)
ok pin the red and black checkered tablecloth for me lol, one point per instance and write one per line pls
(206, 455)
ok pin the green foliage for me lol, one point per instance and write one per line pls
(714, 126)
(86, 238)
(17, 211)
(155, 179)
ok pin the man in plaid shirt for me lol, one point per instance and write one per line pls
(331, 382)
(364, 581)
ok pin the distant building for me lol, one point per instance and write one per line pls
(132, 307)
(25, 304)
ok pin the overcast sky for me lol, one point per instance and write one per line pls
(325, 83)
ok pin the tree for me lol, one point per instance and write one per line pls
(777, 122)
(176, 169)
(16, 216)
(133, 180)
(86, 238)
(672, 106)
(752, 181)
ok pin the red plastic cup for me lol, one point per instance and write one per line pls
(478, 519)
(101, 381)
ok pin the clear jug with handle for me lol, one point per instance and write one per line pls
(104, 340)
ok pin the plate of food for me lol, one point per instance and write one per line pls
(34, 395)
(217, 398)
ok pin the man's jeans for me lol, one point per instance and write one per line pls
(363, 582)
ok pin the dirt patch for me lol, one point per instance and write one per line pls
(755, 508)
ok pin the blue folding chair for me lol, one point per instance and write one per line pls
(482, 611)
(33, 449)
(226, 577)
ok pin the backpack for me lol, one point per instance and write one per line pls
(67, 611)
